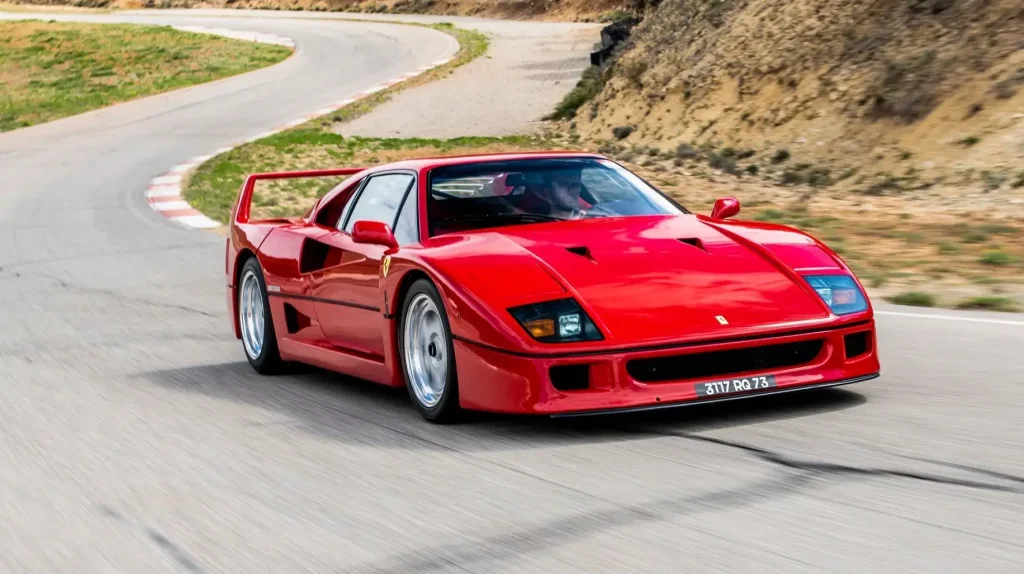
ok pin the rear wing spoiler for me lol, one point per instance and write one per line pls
(243, 203)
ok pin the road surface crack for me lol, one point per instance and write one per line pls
(798, 474)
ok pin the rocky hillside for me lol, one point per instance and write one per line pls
(880, 94)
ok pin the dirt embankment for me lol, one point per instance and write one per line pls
(573, 10)
(887, 96)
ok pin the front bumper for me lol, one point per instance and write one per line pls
(622, 381)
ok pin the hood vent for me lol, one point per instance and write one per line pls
(693, 241)
(582, 251)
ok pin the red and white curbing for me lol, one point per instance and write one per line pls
(164, 192)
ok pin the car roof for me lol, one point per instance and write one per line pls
(443, 161)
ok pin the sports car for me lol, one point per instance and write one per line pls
(552, 283)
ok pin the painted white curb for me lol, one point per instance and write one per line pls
(164, 192)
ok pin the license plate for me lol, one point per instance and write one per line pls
(738, 385)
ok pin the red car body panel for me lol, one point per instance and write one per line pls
(655, 286)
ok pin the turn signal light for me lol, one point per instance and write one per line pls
(557, 321)
(541, 327)
(844, 297)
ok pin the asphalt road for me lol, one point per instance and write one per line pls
(135, 438)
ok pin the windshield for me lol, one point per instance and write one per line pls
(516, 192)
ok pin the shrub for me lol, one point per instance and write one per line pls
(726, 164)
(990, 303)
(914, 298)
(622, 132)
(819, 177)
(790, 177)
(997, 258)
(686, 151)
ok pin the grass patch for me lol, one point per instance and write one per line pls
(913, 298)
(589, 85)
(51, 70)
(990, 303)
(615, 16)
(997, 258)
(213, 186)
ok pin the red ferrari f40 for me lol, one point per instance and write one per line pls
(550, 283)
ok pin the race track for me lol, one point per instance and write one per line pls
(134, 437)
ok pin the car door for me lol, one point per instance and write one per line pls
(346, 292)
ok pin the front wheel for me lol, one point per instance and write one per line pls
(258, 337)
(428, 354)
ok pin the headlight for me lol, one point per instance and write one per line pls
(561, 321)
(840, 293)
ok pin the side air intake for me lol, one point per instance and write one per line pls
(316, 256)
(313, 256)
(294, 319)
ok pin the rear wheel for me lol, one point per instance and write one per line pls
(428, 354)
(258, 337)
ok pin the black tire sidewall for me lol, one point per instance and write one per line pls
(269, 360)
(447, 409)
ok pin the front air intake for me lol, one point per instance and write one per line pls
(857, 344)
(762, 359)
(570, 377)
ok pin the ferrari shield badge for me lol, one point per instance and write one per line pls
(387, 264)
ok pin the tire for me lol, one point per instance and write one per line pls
(428, 354)
(259, 340)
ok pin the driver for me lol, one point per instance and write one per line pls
(558, 197)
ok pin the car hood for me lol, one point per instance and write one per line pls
(647, 280)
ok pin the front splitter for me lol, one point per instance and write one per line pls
(681, 404)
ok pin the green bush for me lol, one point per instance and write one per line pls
(997, 258)
(587, 87)
(990, 303)
(914, 298)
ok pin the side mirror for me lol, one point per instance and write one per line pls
(374, 233)
(725, 208)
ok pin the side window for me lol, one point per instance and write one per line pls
(407, 229)
(380, 199)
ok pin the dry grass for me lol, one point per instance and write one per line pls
(50, 70)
